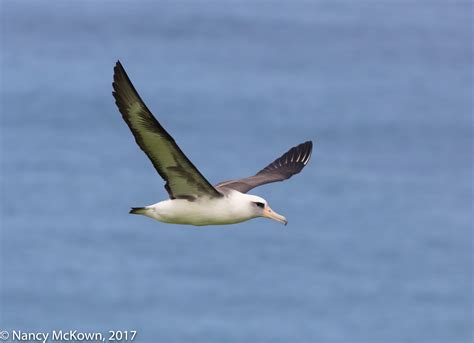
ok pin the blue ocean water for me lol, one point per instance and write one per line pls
(379, 243)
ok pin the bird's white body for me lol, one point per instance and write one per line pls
(233, 207)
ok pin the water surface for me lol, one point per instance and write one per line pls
(379, 242)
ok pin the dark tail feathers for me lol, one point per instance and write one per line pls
(137, 210)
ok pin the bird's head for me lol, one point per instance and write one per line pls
(260, 208)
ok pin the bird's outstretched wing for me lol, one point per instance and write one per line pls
(183, 179)
(284, 167)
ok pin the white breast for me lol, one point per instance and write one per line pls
(230, 209)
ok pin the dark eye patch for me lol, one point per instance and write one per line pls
(260, 204)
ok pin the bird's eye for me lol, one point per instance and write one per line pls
(260, 204)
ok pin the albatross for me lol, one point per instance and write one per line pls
(192, 199)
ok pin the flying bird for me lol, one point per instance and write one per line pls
(192, 199)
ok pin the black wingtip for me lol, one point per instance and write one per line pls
(308, 148)
(307, 144)
(303, 151)
(118, 70)
(120, 81)
(119, 67)
(295, 158)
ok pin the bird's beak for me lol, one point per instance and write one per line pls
(269, 213)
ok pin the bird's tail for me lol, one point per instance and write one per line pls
(138, 210)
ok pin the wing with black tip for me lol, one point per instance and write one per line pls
(183, 179)
(284, 167)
